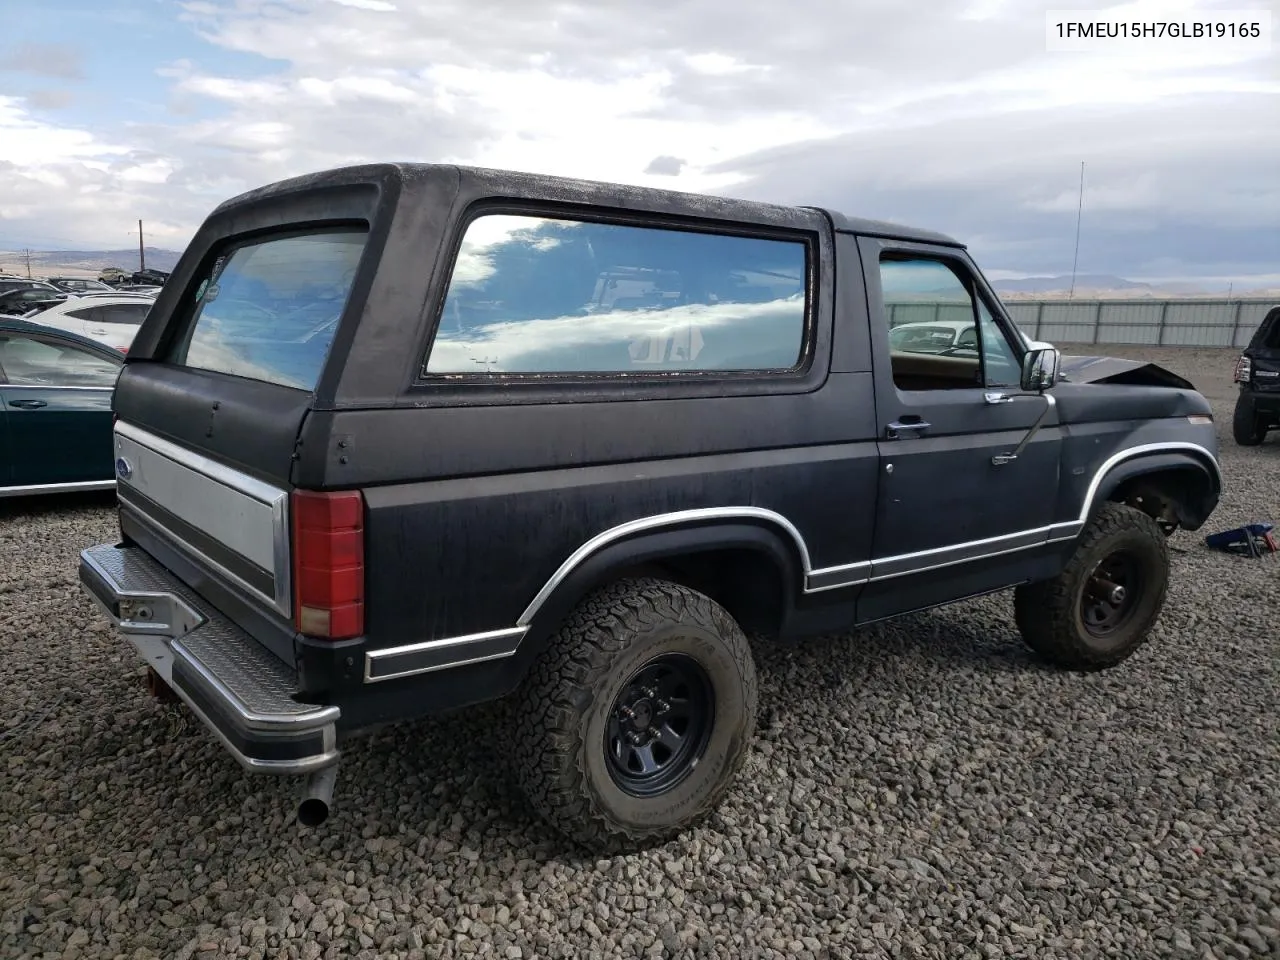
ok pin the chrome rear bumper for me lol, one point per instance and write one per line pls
(240, 690)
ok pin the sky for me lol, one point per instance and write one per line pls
(956, 115)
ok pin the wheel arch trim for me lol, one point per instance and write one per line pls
(1190, 454)
(1193, 455)
(657, 522)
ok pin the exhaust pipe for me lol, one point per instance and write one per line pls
(317, 796)
(158, 688)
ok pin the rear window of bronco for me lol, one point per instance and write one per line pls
(539, 295)
(268, 309)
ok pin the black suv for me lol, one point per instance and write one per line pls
(1258, 374)
(397, 439)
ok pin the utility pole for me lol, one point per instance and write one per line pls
(142, 257)
(26, 255)
(1076, 257)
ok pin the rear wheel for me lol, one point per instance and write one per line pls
(1247, 427)
(1102, 606)
(637, 716)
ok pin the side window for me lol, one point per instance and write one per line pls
(940, 335)
(133, 313)
(85, 313)
(1269, 331)
(536, 295)
(30, 362)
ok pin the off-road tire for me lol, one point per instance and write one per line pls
(1247, 427)
(1049, 613)
(565, 705)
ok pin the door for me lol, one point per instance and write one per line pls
(57, 403)
(116, 324)
(73, 321)
(958, 500)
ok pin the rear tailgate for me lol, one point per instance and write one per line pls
(242, 343)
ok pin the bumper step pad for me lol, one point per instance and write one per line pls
(235, 685)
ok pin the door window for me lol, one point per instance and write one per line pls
(26, 361)
(941, 337)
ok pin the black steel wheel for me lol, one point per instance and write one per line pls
(659, 724)
(1102, 606)
(637, 716)
(1112, 593)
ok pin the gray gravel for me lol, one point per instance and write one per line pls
(921, 789)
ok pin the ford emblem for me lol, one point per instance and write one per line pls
(124, 468)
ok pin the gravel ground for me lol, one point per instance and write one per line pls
(924, 789)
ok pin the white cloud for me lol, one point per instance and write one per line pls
(950, 113)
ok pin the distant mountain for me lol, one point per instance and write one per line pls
(86, 262)
(1054, 284)
(1107, 286)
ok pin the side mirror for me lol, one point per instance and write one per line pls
(1040, 367)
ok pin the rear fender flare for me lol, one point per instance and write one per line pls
(605, 562)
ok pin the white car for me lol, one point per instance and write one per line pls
(934, 337)
(110, 320)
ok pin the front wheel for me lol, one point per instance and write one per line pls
(1102, 606)
(637, 716)
(1247, 427)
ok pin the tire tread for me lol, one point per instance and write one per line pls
(547, 760)
(1054, 635)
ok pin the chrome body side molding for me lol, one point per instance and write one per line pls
(79, 486)
(447, 652)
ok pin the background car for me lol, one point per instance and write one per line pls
(1257, 375)
(934, 336)
(55, 410)
(79, 285)
(23, 297)
(110, 320)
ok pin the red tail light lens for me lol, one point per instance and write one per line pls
(328, 564)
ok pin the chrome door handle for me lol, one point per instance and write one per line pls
(997, 398)
(894, 429)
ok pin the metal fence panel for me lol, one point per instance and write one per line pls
(1186, 322)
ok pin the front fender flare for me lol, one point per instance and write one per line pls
(1199, 492)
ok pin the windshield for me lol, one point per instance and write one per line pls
(268, 310)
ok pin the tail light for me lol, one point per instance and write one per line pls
(328, 564)
(1244, 370)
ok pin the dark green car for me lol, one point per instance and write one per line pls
(55, 410)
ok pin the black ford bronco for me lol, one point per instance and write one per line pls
(1257, 375)
(398, 438)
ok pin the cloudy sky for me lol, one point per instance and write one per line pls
(951, 114)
